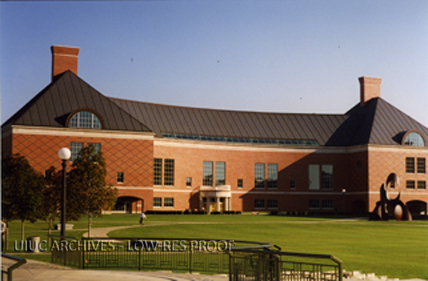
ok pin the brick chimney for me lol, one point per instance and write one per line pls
(369, 89)
(64, 58)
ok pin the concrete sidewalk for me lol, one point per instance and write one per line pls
(40, 271)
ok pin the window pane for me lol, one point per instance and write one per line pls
(414, 139)
(188, 181)
(85, 119)
(120, 177)
(421, 185)
(240, 183)
(207, 173)
(410, 165)
(74, 121)
(314, 204)
(259, 204)
(327, 177)
(410, 184)
(97, 147)
(75, 148)
(327, 204)
(157, 174)
(421, 165)
(272, 204)
(169, 172)
(272, 176)
(157, 202)
(259, 171)
(220, 173)
(314, 177)
(168, 202)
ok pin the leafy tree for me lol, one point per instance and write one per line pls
(52, 203)
(22, 191)
(87, 184)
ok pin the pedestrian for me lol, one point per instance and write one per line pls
(142, 217)
(3, 233)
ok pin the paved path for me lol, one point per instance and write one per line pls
(40, 271)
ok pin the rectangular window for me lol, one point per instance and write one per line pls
(272, 177)
(259, 171)
(272, 204)
(220, 173)
(327, 177)
(327, 204)
(188, 181)
(120, 177)
(75, 148)
(207, 173)
(168, 202)
(421, 185)
(97, 147)
(169, 172)
(292, 184)
(259, 204)
(410, 184)
(157, 202)
(314, 204)
(314, 177)
(240, 183)
(157, 171)
(410, 165)
(421, 165)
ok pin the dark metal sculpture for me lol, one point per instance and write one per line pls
(380, 212)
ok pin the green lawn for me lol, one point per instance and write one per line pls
(395, 249)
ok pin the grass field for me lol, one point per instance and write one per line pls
(394, 249)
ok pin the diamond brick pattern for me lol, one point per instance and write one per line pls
(133, 157)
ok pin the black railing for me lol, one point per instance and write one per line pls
(10, 269)
(248, 264)
(242, 260)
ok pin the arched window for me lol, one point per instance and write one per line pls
(414, 139)
(85, 119)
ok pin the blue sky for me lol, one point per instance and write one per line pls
(277, 56)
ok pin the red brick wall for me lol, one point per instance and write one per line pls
(382, 162)
(133, 157)
(240, 165)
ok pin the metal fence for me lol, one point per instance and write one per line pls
(9, 271)
(246, 264)
(242, 260)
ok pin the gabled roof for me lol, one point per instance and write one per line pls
(382, 123)
(67, 95)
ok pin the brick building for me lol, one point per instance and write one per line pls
(162, 157)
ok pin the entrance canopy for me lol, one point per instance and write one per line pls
(215, 199)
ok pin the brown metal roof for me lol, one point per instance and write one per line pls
(66, 95)
(244, 124)
(377, 122)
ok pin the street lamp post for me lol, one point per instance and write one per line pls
(64, 154)
(344, 205)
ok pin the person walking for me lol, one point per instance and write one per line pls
(142, 217)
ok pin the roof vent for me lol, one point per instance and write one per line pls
(64, 58)
(369, 89)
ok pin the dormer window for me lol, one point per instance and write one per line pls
(85, 119)
(414, 139)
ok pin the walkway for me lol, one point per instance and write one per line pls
(40, 271)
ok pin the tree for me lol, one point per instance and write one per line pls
(22, 191)
(87, 185)
(52, 199)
